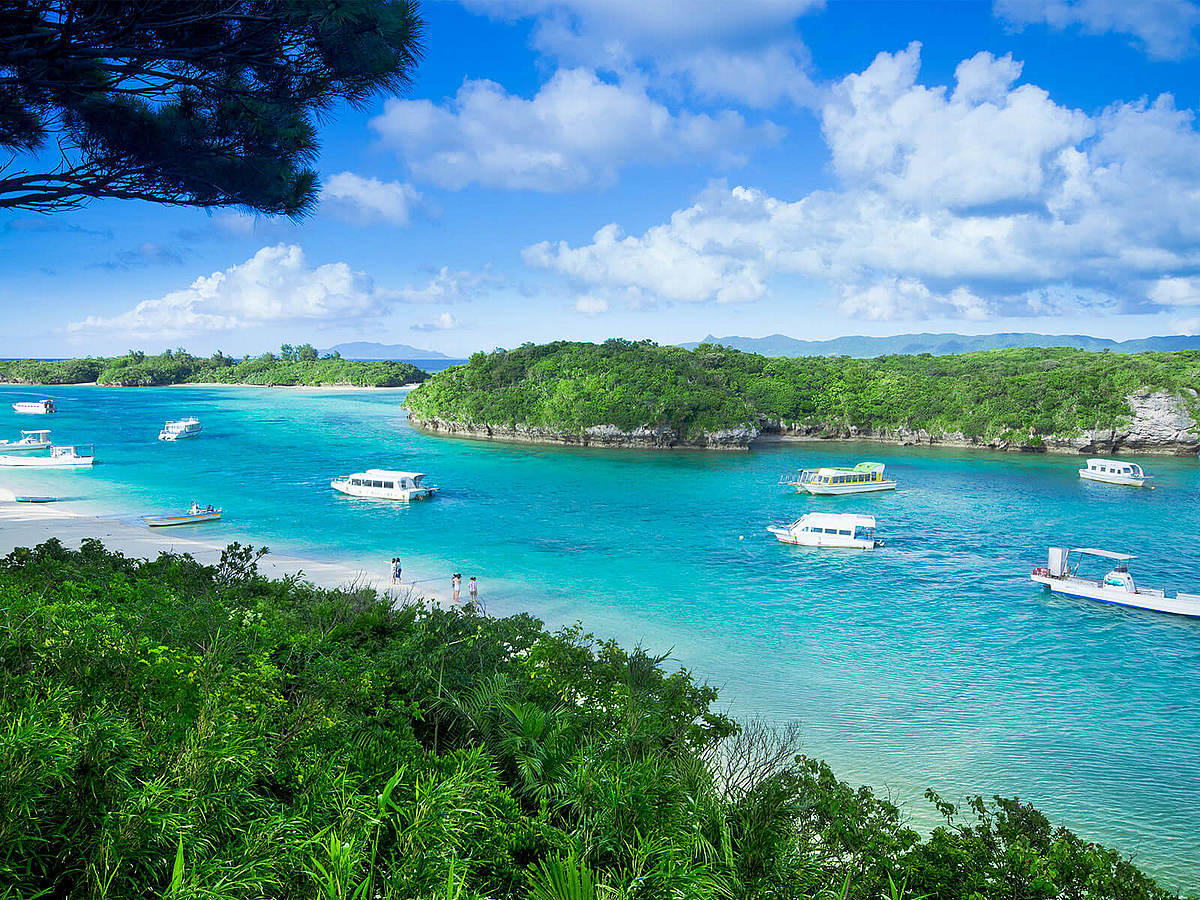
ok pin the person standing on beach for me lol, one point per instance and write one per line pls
(473, 589)
(455, 585)
(396, 570)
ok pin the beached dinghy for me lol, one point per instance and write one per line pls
(29, 440)
(36, 499)
(69, 457)
(195, 514)
(1061, 575)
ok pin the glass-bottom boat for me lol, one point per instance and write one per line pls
(863, 478)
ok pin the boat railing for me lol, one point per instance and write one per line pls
(1152, 592)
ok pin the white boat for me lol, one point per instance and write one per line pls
(59, 458)
(35, 407)
(1061, 575)
(1112, 471)
(384, 484)
(196, 513)
(835, 530)
(29, 440)
(180, 428)
(866, 476)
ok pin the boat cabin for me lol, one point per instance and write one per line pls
(859, 528)
(1115, 467)
(73, 451)
(388, 480)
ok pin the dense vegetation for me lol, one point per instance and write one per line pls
(169, 729)
(292, 366)
(1002, 393)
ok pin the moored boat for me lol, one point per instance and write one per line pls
(36, 499)
(1061, 576)
(1112, 471)
(384, 484)
(34, 407)
(863, 478)
(845, 531)
(29, 440)
(180, 428)
(195, 514)
(61, 457)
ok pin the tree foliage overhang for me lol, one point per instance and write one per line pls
(186, 102)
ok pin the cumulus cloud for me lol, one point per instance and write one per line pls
(577, 131)
(369, 199)
(980, 199)
(1164, 28)
(590, 305)
(444, 322)
(450, 286)
(275, 285)
(744, 52)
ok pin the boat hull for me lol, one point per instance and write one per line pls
(1103, 478)
(164, 521)
(31, 409)
(15, 447)
(822, 541)
(374, 493)
(1156, 601)
(861, 488)
(47, 462)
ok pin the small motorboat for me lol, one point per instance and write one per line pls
(73, 456)
(1112, 471)
(195, 514)
(35, 407)
(1061, 576)
(180, 428)
(845, 531)
(36, 499)
(29, 440)
(863, 478)
(384, 484)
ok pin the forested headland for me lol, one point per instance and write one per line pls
(292, 366)
(640, 394)
(171, 729)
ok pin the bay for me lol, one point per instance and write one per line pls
(932, 662)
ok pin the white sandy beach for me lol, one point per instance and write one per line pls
(29, 524)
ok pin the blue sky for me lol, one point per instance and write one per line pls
(593, 168)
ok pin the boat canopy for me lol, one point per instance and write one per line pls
(1107, 554)
(390, 474)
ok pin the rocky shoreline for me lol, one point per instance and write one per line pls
(1161, 425)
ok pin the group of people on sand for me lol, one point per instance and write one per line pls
(455, 582)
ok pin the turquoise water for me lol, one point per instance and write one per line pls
(932, 662)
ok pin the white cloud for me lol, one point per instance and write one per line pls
(1176, 291)
(444, 322)
(590, 305)
(1187, 326)
(745, 52)
(275, 285)
(576, 132)
(1164, 28)
(369, 199)
(985, 199)
(449, 286)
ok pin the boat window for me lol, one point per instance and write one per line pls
(846, 532)
(864, 533)
(831, 531)
(355, 481)
(388, 484)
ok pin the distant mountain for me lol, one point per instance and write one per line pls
(941, 344)
(368, 350)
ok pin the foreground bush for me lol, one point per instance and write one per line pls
(172, 729)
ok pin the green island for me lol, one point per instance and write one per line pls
(627, 393)
(292, 366)
(172, 729)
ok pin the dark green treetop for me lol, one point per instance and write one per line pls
(204, 103)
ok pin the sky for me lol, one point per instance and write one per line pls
(586, 169)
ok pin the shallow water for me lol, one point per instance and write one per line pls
(933, 662)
